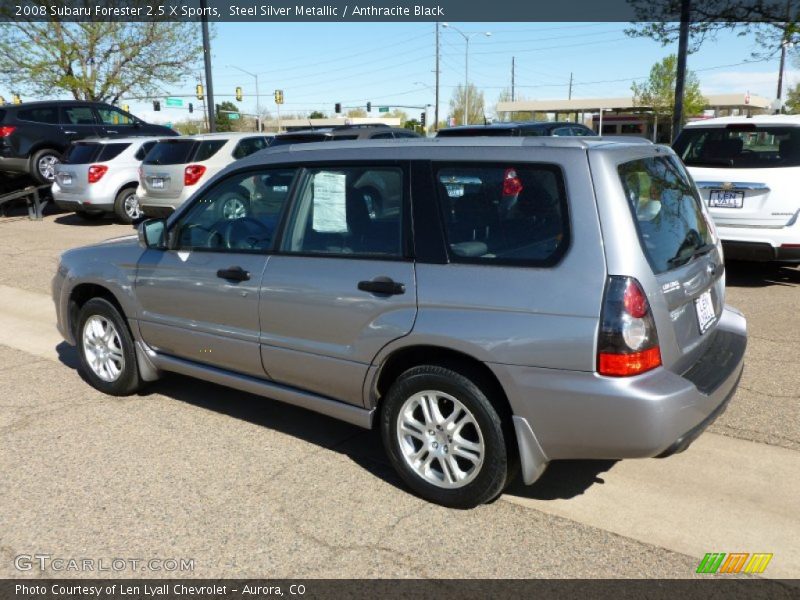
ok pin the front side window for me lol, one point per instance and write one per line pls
(78, 115)
(239, 214)
(741, 146)
(504, 214)
(349, 211)
(113, 116)
(666, 210)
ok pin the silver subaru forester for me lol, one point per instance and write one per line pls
(488, 303)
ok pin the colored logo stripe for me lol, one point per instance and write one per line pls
(758, 562)
(714, 562)
(711, 562)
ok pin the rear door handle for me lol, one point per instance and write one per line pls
(382, 285)
(71, 132)
(234, 274)
(110, 131)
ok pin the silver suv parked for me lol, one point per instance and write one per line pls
(485, 302)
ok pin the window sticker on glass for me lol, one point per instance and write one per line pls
(330, 192)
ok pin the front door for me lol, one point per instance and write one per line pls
(200, 297)
(342, 285)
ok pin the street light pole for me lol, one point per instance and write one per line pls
(212, 122)
(258, 100)
(467, 37)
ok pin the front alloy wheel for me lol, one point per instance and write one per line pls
(102, 347)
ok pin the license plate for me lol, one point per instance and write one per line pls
(705, 311)
(157, 183)
(725, 199)
(65, 179)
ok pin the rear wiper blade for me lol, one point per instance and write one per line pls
(698, 251)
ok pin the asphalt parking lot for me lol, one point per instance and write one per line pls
(247, 487)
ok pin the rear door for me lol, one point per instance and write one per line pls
(164, 166)
(747, 173)
(343, 284)
(115, 123)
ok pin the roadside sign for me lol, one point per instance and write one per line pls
(233, 116)
(174, 101)
(383, 109)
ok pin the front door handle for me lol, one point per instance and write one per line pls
(382, 285)
(110, 131)
(233, 274)
(71, 133)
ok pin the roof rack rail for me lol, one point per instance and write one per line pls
(361, 126)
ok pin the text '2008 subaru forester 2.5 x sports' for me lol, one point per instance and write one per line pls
(484, 302)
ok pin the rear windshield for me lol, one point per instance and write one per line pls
(741, 146)
(479, 131)
(170, 152)
(504, 213)
(111, 151)
(666, 210)
(81, 154)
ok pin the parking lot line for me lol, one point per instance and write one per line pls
(722, 495)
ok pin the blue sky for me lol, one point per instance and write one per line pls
(318, 64)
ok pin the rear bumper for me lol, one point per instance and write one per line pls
(581, 415)
(761, 244)
(14, 164)
(153, 206)
(91, 201)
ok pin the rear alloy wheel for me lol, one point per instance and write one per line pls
(106, 349)
(445, 438)
(43, 165)
(126, 206)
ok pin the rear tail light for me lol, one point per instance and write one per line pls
(192, 174)
(96, 172)
(6, 130)
(628, 341)
(512, 185)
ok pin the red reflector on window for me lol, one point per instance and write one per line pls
(623, 365)
(511, 183)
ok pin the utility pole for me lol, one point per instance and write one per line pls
(784, 43)
(569, 95)
(680, 78)
(512, 79)
(212, 122)
(436, 107)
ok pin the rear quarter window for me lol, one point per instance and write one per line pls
(507, 214)
(81, 154)
(666, 210)
(207, 149)
(143, 150)
(39, 115)
(111, 151)
(170, 153)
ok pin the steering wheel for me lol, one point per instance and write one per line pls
(246, 233)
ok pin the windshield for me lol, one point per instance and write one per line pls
(741, 146)
(669, 219)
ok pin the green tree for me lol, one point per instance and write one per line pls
(658, 92)
(356, 113)
(518, 115)
(223, 119)
(317, 115)
(477, 111)
(95, 61)
(793, 100)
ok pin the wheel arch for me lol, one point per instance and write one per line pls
(81, 294)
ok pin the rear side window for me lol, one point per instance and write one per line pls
(81, 154)
(207, 149)
(666, 210)
(143, 150)
(247, 146)
(170, 153)
(513, 214)
(111, 151)
(740, 146)
(39, 115)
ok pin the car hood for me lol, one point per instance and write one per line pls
(125, 248)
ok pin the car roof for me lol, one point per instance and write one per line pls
(36, 103)
(518, 125)
(225, 135)
(792, 120)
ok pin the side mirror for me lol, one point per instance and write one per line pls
(151, 234)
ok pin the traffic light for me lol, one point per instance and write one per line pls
(199, 91)
(422, 118)
(239, 94)
(126, 108)
(156, 105)
(369, 106)
(338, 107)
(16, 99)
(278, 96)
(2, 100)
(191, 108)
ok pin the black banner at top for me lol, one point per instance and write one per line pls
(395, 10)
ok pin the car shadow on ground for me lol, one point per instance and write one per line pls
(562, 479)
(74, 220)
(760, 274)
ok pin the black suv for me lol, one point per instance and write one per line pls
(346, 132)
(510, 129)
(34, 135)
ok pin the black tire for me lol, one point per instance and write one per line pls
(128, 381)
(89, 216)
(120, 208)
(45, 153)
(492, 475)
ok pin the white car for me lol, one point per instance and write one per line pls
(747, 170)
(100, 176)
(178, 166)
